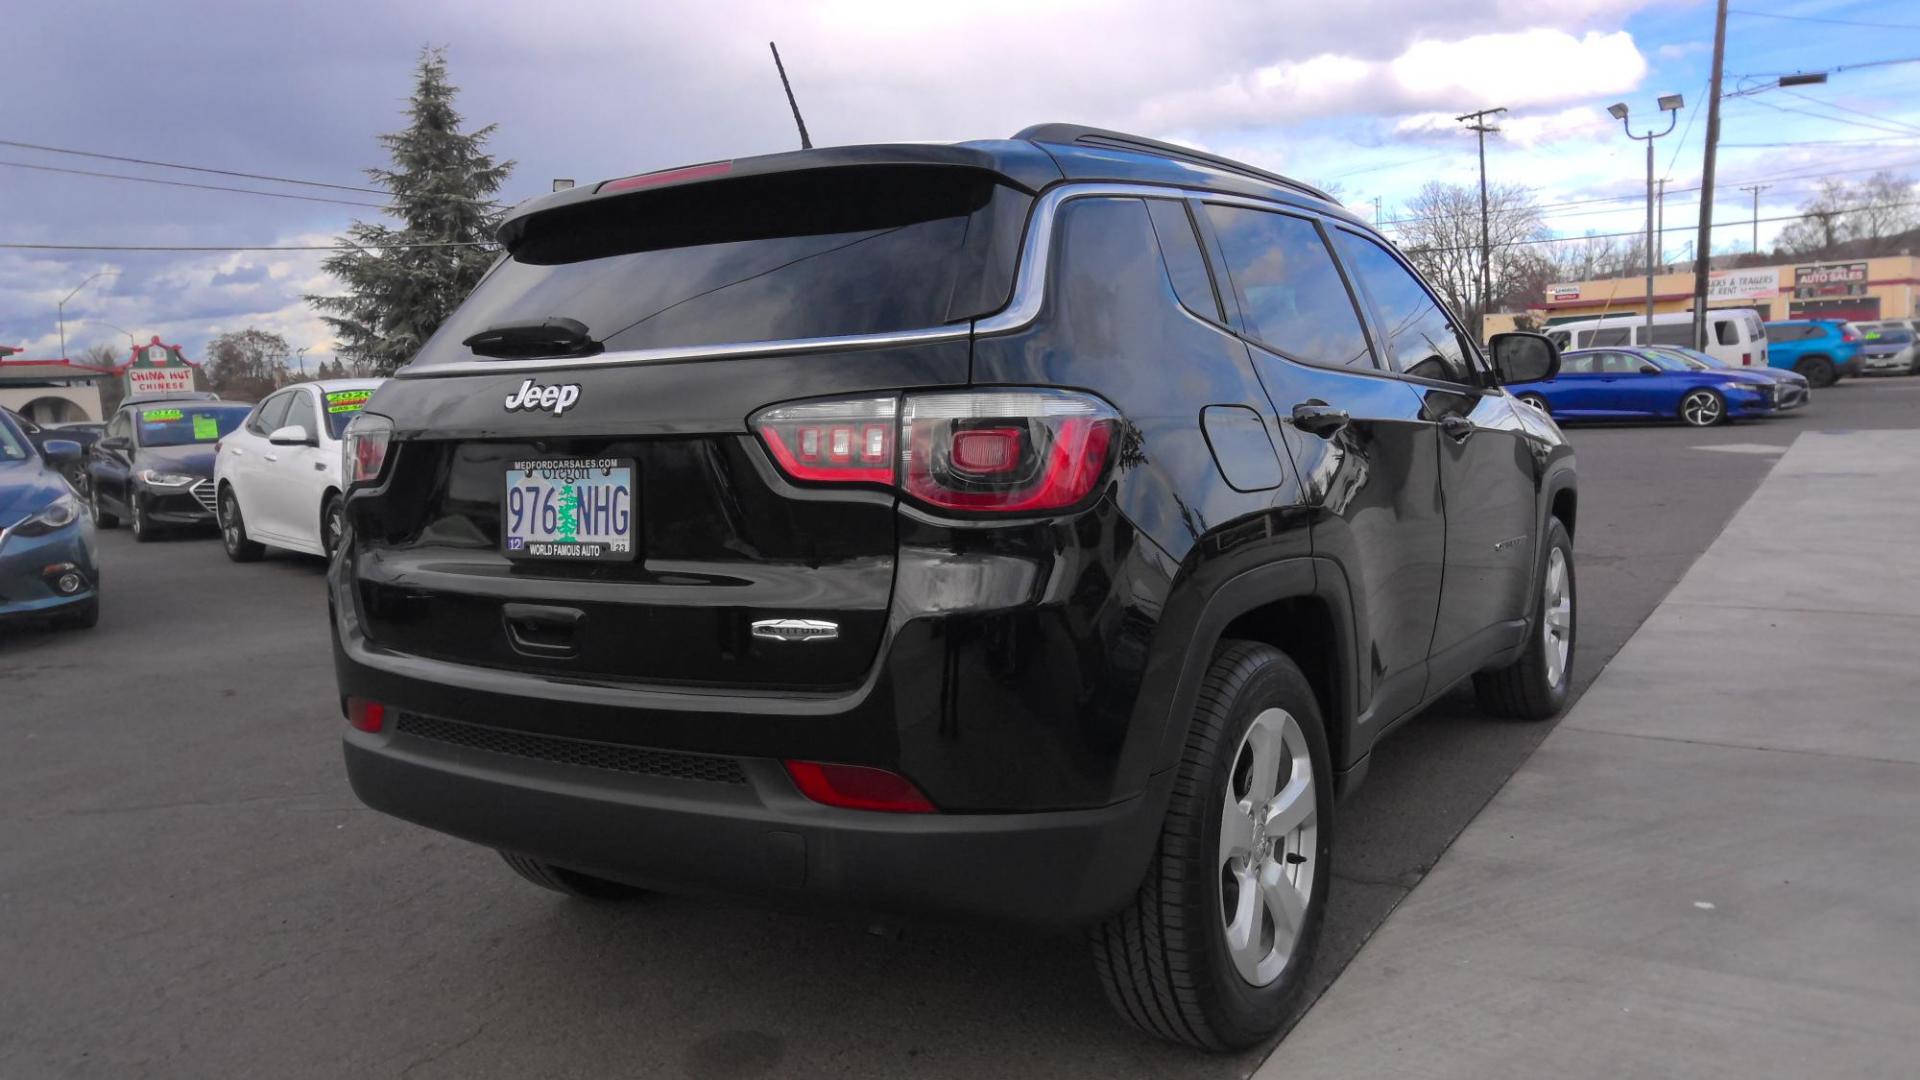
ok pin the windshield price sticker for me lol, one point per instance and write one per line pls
(344, 401)
(205, 427)
(159, 416)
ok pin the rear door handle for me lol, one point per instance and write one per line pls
(1319, 418)
(273, 457)
(1459, 428)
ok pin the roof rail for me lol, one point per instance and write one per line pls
(1120, 140)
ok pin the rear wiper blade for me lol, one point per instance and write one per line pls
(551, 336)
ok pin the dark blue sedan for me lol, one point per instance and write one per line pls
(47, 567)
(1629, 383)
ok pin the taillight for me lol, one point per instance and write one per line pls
(833, 441)
(993, 451)
(857, 787)
(366, 715)
(363, 448)
(1746, 359)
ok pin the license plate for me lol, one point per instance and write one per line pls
(568, 508)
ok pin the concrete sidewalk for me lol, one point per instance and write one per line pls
(1712, 867)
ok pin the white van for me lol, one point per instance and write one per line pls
(1735, 336)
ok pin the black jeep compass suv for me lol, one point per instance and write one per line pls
(1041, 529)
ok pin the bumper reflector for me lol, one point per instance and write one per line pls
(857, 787)
(366, 715)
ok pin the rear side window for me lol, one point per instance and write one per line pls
(821, 253)
(1290, 291)
(1422, 339)
(1611, 335)
(1579, 364)
(1676, 333)
(1185, 265)
(1725, 332)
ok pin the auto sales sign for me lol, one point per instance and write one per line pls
(158, 369)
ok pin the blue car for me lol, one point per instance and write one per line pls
(1791, 390)
(47, 565)
(1622, 384)
(1824, 350)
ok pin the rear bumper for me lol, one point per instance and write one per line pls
(751, 833)
(1853, 366)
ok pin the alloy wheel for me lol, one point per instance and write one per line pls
(1556, 622)
(331, 529)
(1268, 834)
(229, 523)
(1702, 408)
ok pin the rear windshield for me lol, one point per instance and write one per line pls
(181, 425)
(823, 253)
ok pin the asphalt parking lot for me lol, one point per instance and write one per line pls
(188, 888)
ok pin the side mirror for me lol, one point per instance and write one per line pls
(116, 442)
(292, 435)
(1649, 369)
(61, 451)
(1521, 357)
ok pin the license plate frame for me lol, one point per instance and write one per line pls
(540, 482)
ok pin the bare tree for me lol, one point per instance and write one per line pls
(1865, 218)
(1440, 234)
(246, 365)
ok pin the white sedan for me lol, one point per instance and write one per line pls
(277, 476)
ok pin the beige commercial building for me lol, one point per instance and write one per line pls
(51, 391)
(1857, 289)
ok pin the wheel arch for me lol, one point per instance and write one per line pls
(1300, 606)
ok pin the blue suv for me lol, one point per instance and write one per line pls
(1823, 350)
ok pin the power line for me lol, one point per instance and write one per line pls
(253, 247)
(1850, 109)
(1676, 228)
(189, 168)
(185, 184)
(1828, 118)
(1818, 19)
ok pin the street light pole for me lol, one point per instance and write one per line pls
(1672, 103)
(61, 308)
(1481, 127)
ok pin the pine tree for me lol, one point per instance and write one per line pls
(402, 283)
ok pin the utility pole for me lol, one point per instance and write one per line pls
(1704, 248)
(1480, 127)
(805, 143)
(1756, 189)
(1376, 210)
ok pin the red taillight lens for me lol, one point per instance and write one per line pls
(1746, 359)
(995, 451)
(1004, 451)
(849, 442)
(366, 715)
(363, 449)
(857, 787)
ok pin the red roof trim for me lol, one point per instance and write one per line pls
(16, 362)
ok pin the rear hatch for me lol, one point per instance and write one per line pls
(718, 539)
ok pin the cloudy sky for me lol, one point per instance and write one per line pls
(1358, 95)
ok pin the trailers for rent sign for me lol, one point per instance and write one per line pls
(1743, 285)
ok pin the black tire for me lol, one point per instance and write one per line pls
(143, 530)
(332, 521)
(101, 519)
(569, 882)
(1164, 958)
(1526, 688)
(1537, 402)
(233, 530)
(84, 617)
(1818, 370)
(1703, 408)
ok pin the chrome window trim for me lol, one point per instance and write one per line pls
(1023, 307)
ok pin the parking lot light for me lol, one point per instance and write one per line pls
(1617, 110)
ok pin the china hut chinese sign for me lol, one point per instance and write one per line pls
(158, 369)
